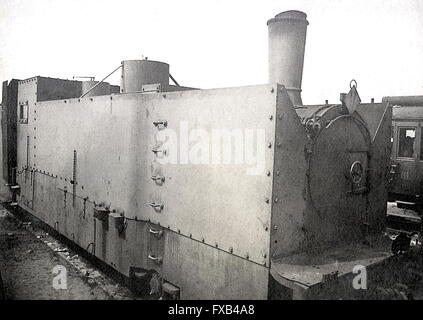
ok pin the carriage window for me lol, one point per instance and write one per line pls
(23, 112)
(406, 138)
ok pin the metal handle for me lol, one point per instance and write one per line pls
(159, 124)
(155, 259)
(156, 205)
(158, 179)
(157, 233)
(158, 150)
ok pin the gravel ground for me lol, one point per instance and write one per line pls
(27, 258)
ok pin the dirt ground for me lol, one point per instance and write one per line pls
(27, 258)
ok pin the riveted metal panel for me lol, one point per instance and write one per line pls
(104, 135)
(110, 247)
(53, 89)
(122, 252)
(289, 179)
(26, 131)
(47, 198)
(223, 205)
(202, 272)
(114, 137)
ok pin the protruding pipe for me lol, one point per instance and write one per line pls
(99, 83)
(174, 80)
(287, 39)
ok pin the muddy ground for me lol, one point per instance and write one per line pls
(28, 255)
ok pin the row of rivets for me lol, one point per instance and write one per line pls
(267, 200)
(216, 245)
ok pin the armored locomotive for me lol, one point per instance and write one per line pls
(233, 193)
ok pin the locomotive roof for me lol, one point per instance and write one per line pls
(407, 112)
(404, 100)
(406, 107)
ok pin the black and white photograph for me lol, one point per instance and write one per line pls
(211, 154)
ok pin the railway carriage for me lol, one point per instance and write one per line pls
(406, 183)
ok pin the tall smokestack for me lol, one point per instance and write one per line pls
(287, 38)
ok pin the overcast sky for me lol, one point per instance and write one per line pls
(211, 44)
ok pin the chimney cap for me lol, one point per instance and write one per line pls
(293, 15)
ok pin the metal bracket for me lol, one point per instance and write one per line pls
(157, 233)
(157, 260)
(160, 124)
(156, 151)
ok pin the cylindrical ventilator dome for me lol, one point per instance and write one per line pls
(136, 73)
